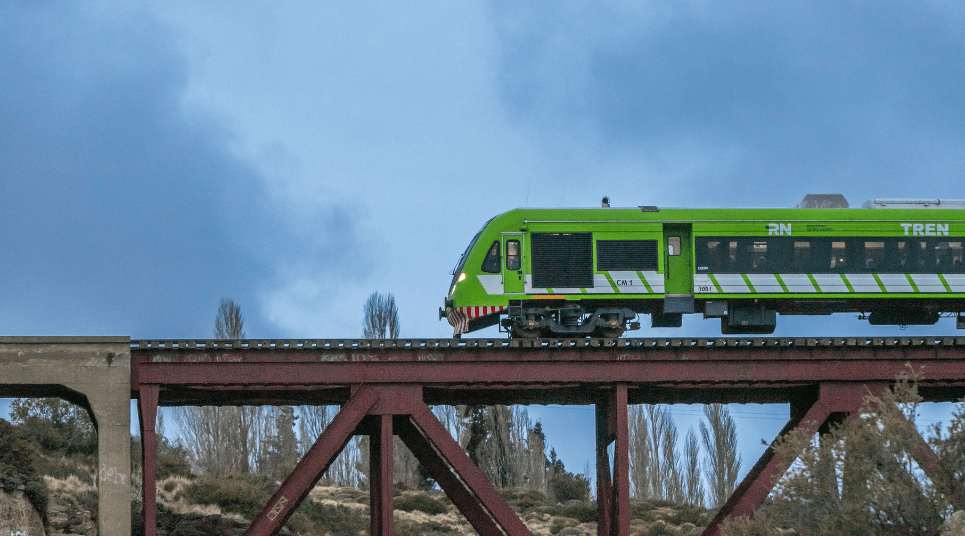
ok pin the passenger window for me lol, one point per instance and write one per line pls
(673, 245)
(513, 257)
(802, 257)
(839, 255)
(491, 262)
(874, 257)
(758, 254)
(708, 255)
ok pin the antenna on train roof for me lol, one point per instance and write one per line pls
(823, 201)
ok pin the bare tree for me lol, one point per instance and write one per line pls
(720, 444)
(692, 479)
(223, 440)
(381, 317)
(657, 419)
(673, 484)
(656, 469)
(229, 323)
(639, 453)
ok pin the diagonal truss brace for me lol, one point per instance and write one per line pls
(760, 480)
(313, 465)
(428, 440)
(833, 402)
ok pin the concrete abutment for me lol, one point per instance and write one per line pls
(95, 373)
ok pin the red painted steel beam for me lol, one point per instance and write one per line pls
(620, 519)
(474, 482)
(313, 465)
(926, 458)
(380, 478)
(761, 479)
(613, 489)
(495, 374)
(456, 489)
(604, 481)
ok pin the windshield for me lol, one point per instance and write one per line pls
(465, 254)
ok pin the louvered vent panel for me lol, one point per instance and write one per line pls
(562, 260)
(629, 255)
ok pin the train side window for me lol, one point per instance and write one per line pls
(757, 252)
(491, 262)
(673, 245)
(956, 252)
(779, 255)
(874, 257)
(513, 257)
(708, 255)
(801, 261)
(839, 255)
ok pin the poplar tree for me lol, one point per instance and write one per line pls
(720, 443)
(381, 321)
(224, 440)
(640, 465)
(692, 478)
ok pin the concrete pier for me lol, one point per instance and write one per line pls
(95, 374)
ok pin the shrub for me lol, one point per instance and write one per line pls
(659, 528)
(18, 468)
(686, 513)
(241, 495)
(422, 529)
(567, 487)
(420, 502)
(336, 520)
(583, 512)
(523, 499)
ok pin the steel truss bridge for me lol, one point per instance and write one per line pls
(385, 388)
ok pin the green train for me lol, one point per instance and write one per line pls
(595, 271)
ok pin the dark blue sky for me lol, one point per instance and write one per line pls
(297, 157)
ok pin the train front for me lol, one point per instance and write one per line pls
(475, 296)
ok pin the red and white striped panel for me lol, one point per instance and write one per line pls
(459, 317)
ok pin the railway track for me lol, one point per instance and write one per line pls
(415, 344)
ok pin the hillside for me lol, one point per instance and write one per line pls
(333, 510)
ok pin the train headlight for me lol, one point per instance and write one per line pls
(461, 278)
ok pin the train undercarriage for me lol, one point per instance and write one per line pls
(612, 318)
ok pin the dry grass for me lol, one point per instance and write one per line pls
(67, 486)
(170, 493)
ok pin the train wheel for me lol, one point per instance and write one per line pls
(609, 333)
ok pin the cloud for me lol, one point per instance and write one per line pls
(120, 210)
(827, 94)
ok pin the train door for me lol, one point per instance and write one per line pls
(678, 268)
(513, 267)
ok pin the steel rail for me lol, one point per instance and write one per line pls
(696, 342)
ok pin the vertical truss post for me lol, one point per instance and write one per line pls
(613, 491)
(753, 490)
(604, 485)
(147, 415)
(381, 522)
